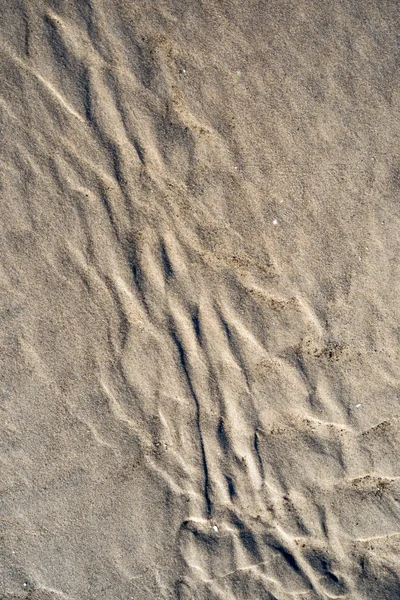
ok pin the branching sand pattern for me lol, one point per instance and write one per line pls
(199, 308)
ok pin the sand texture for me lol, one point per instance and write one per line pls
(200, 300)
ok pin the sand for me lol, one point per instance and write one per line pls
(200, 300)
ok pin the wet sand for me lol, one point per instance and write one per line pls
(200, 235)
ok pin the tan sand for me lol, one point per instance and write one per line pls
(200, 300)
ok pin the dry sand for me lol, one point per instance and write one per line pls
(200, 300)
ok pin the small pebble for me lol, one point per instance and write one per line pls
(275, 221)
(215, 528)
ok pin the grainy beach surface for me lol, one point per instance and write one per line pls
(200, 300)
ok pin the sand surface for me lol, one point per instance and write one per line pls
(200, 300)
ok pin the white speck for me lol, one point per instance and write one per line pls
(358, 405)
(215, 528)
(236, 168)
(359, 258)
(25, 584)
(238, 72)
(383, 222)
(275, 221)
